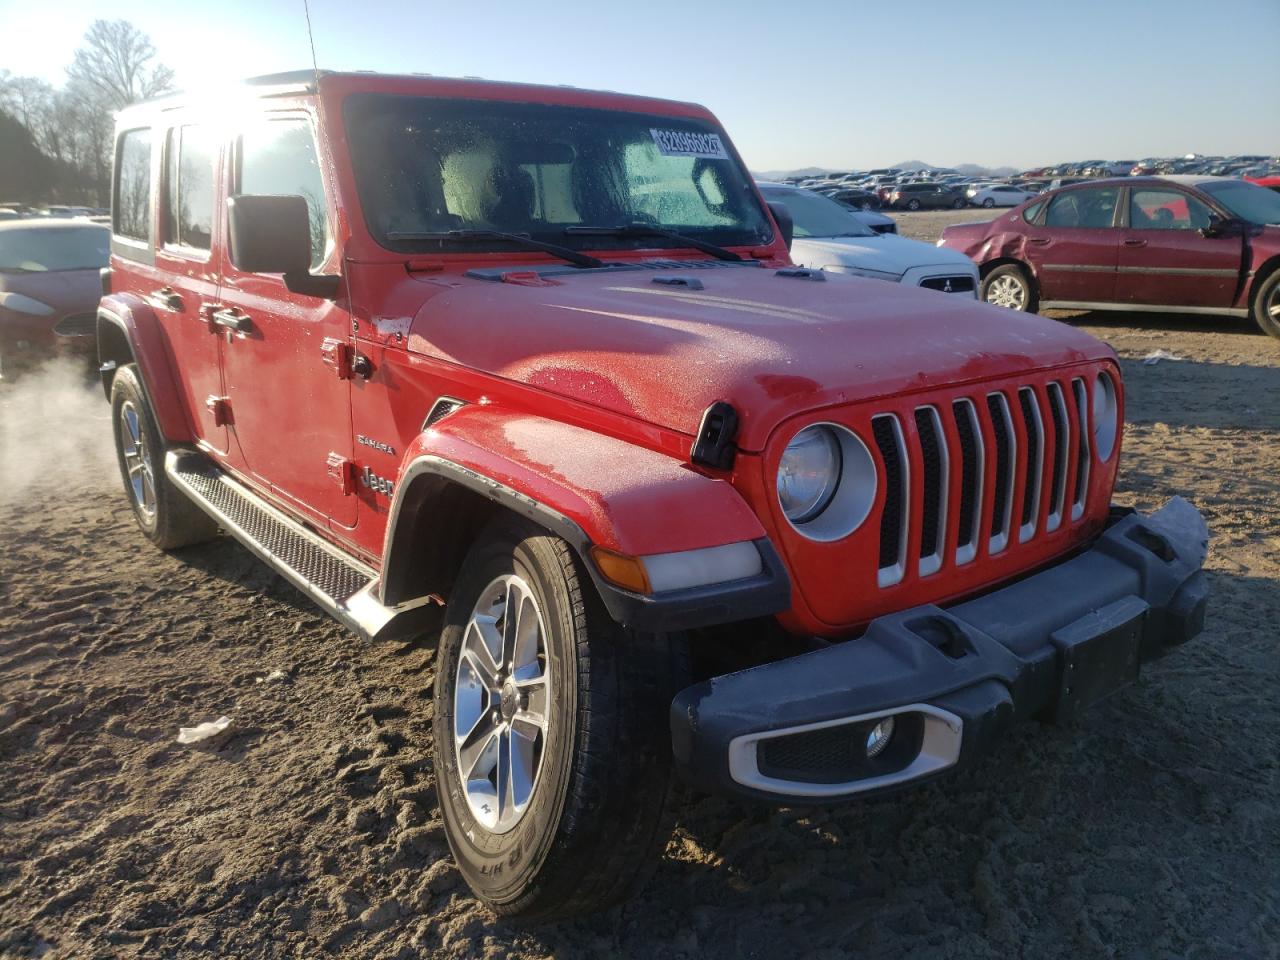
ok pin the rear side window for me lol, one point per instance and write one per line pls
(278, 158)
(1090, 207)
(132, 201)
(189, 164)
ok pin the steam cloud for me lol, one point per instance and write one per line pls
(55, 434)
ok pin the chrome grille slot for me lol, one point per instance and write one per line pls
(933, 518)
(1082, 451)
(897, 499)
(972, 466)
(1061, 448)
(1034, 476)
(1006, 448)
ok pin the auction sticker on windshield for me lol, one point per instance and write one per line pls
(686, 143)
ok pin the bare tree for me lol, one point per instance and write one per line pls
(115, 66)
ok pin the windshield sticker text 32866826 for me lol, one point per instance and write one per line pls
(688, 143)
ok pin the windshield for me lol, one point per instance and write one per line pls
(430, 166)
(40, 250)
(1248, 201)
(817, 216)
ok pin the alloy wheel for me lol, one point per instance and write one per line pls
(1007, 291)
(137, 459)
(501, 703)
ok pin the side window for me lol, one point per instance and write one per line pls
(1166, 210)
(131, 207)
(189, 158)
(278, 158)
(1092, 207)
(1033, 211)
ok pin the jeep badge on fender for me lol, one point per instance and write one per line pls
(616, 427)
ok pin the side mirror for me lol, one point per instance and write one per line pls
(783, 216)
(273, 235)
(1223, 227)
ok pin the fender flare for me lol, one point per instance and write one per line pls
(549, 472)
(121, 319)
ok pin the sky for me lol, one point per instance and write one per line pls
(840, 85)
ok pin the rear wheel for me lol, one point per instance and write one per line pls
(552, 743)
(1266, 304)
(913, 204)
(164, 513)
(1009, 286)
(958, 204)
(988, 203)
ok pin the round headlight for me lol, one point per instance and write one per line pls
(1106, 420)
(809, 473)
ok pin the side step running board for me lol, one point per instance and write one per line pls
(342, 586)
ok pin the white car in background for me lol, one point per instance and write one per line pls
(998, 195)
(827, 236)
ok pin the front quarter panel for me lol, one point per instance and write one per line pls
(623, 496)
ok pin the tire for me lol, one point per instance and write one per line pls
(599, 807)
(958, 205)
(1266, 304)
(988, 203)
(913, 204)
(1000, 286)
(164, 513)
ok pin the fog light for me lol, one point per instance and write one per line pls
(879, 737)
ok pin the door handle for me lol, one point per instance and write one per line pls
(232, 319)
(1039, 241)
(167, 299)
(1135, 242)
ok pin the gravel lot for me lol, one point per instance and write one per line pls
(1150, 831)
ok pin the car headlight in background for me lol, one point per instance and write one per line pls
(1106, 422)
(21, 303)
(826, 481)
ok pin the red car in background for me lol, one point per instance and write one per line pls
(1182, 244)
(50, 284)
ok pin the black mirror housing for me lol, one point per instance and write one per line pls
(783, 216)
(272, 234)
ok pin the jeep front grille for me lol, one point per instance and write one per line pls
(1025, 440)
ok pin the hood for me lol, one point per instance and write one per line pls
(884, 253)
(67, 291)
(770, 344)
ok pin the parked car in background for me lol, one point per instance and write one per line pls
(7, 213)
(49, 290)
(856, 199)
(827, 237)
(875, 220)
(1168, 244)
(925, 196)
(999, 195)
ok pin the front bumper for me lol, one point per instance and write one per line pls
(795, 731)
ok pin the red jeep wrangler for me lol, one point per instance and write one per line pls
(525, 370)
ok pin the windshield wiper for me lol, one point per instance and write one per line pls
(646, 230)
(469, 236)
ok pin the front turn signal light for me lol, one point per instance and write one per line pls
(621, 570)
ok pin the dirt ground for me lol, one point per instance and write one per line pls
(1152, 830)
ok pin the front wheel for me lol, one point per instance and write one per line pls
(552, 744)
(1266, 305)
(1009, 286)
(913, 205)
(958, 205)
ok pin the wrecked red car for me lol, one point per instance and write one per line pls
(526, 373)
(1178, 244)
